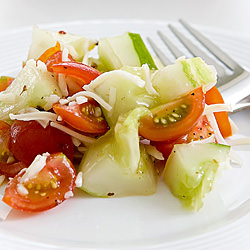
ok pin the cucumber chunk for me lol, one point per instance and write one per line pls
(78, 46)
(128, 95)
(116, 165)
(191, 169)
(182, 77)
(125, 50)
(31, 88)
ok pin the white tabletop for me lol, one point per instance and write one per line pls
(227, 14)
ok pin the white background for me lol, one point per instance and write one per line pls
(231, 15)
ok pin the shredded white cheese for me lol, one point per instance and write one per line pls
(50, 100)
(105, 76)
(76, 142)
(41, 66)
(80, 137)
(82, 149)
(207, 140)
(94, 96)
(65, 55)
(32, 114)
(72, 51)
(35, 167)
(78, 181)
(85, 59)
(239, 141)
(148, 83)
(63, 101)
(214, 125)
(217, 108)
(21, 189)
(62, 84)
(234, 127)
(81, 99)
(68, 195)
(151, 150)
(59, 118)
(145, 141)
(208, 86)
(235, 158)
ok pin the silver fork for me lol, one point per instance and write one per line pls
(233, 80)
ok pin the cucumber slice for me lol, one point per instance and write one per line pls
(125, 50)
(191, 169)
(181, 77)
(43, 39)
(116, 165)
(128, 95)
(30, 89)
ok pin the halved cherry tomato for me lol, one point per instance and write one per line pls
(172, 120)
(213, 96)
(86, 117)
(46, 190)
(55, 59)
(11, 169)
(7, 169)
(49, 52)
(202, 130)
(84, 73)
(29, 138)
(5, 82)
(4, 141)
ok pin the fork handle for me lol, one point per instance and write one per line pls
(237, 91)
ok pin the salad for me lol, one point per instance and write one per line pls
(107, 118)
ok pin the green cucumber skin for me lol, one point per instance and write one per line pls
(142, 51)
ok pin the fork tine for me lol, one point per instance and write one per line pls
(159, 53)
(214, 49)
(175, 51)
(196, 51)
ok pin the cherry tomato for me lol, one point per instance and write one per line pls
(55, 59)
(44, 191)
(5, 82)
(11, 169)
(29, 138)
(86, 117)
(7, 169)
(202, 130)
(84, 73)
(213, 96)
(172, 120)
(49, 52)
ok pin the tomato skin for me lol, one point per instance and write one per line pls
(202, 130)
(55, 59)
(5, 82)
(84, 73)
(49, 52)
(12, 169)
(213, 96)
(46, 190)
(195, 101)
(83, 121)
(29, 138)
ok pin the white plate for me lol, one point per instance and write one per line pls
(154, 222)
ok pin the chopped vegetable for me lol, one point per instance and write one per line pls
(86, 117)
(173, 120)
(46, 189)
(213, 96)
